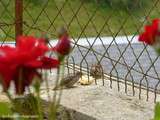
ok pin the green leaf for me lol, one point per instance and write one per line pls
(5, 108)
(157, 111)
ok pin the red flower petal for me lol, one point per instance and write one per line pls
(24, 60)
(33, 64)
(27, 78)
(63, 46)
(36, 47)
(49, 63)
(6, 75)
(150, 33)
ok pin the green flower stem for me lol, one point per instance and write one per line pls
(47, 85)
(62, 75)
(53, 109)
(39, 105)
(55, 104)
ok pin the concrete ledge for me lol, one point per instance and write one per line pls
(103, 103)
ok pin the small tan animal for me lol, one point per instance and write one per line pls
(96, 71)
(69, 81)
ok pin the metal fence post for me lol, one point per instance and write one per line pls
(18, 18)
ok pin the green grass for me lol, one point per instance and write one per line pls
(5, 109)
(88, 21)
(5, 112)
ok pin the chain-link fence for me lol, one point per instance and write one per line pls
(103, 31)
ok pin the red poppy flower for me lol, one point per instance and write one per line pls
(48, 63)
(151, 32)
(28, 70)
(7, 68)
(23, 78)
(35, 46)
(20, 64)
(63, 46)
(6, 75)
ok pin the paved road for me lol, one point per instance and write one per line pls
(142, 65)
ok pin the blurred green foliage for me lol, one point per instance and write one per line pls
(5, 109)
(91, 15)
(36, 2)
(122, 4)
(157, 111)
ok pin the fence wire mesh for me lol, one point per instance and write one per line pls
(103, 31)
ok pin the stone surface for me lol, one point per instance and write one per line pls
(103, 103)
